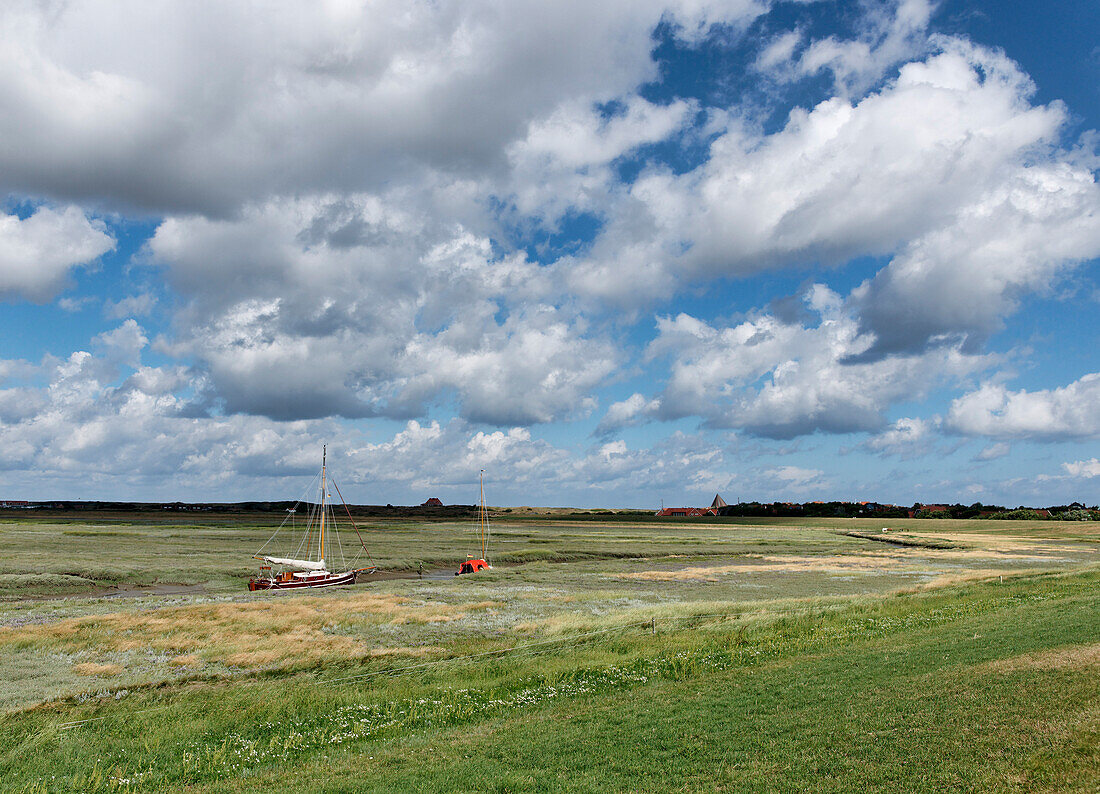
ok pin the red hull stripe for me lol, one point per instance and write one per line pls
(271, 584)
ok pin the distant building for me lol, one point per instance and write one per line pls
(433, 502)
(693, 512)
(686, 512)
(15, 503)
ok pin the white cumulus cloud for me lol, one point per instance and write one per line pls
(993, 411)
(784, 379)
(634, 410)
(907, 436)
(1083, 468)
(37, 253)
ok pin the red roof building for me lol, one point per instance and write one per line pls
(683, 512)
(433, 502)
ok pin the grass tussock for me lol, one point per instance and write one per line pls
(38, 583)
(418, 651)
(482, 605)
(186, 660)
(427, 618)
(90, 669)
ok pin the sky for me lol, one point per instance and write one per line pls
(614, 254)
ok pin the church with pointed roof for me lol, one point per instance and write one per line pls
(693, 512)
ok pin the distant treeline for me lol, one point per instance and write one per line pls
(303, 508)
(1070, 512)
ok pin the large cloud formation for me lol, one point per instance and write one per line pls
(168, 107)
(341, 305)
(104, 415)
(785, 379)
(472, 215)
(932, 169)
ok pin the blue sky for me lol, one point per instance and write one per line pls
(611, 255)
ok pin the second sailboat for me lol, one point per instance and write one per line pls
(472, 565)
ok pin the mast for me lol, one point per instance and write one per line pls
(321, 546)
(483, 518)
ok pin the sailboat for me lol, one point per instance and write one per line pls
(306, 565)
(472, 565)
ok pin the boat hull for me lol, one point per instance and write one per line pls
(329, 580)
(473, 566)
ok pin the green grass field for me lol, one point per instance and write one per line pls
(596, 656)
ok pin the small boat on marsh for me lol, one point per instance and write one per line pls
(306, 563)
(472, 564)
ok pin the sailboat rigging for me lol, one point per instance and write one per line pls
(306, 565)
(472, 565)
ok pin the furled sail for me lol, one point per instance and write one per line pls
(305, 565)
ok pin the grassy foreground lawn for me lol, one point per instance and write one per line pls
(979, 686)
(978, 703)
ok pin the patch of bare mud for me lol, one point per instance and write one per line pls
(126, 591)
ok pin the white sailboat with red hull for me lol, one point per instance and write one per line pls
(306, 565)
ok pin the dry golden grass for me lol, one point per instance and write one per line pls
(247, 635)
(1020, 551)
(187, 660)
(481, 605)
(948, 579)
(1002, 544)
(252, 658)
(1075, 657)
(867, 562)
(421, 650)
(98, 670)
(858, 562)
(404, 620)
